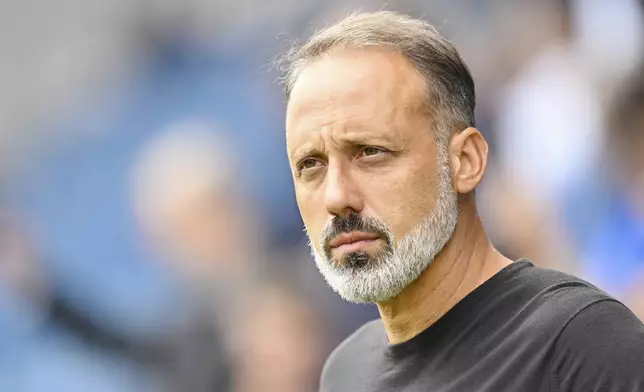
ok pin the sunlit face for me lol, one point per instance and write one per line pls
(373, 189)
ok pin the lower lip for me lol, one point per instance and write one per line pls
(354, 246)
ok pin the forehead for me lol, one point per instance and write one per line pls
(355, 85)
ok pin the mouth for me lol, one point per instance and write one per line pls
(353, 241)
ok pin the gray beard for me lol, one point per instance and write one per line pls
(384, 276)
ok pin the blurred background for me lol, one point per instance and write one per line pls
(149, 236)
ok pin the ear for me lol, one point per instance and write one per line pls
(468, 154)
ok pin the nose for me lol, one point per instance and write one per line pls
(342, 193)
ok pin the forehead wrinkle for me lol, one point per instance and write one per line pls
(316, 140)
(363, 69)
(356, 111)
(375, 90)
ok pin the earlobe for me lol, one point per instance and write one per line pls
(469, 150)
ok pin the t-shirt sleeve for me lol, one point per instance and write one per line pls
(600, 349)
(329, 376)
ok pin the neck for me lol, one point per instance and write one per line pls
(466, 262)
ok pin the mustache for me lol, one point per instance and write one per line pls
(353, 222)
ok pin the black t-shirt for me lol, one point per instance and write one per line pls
(525, 329)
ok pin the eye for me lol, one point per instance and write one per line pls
(369, 151)
(308, 164)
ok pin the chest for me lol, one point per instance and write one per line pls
(505, 365)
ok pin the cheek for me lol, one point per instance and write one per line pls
(313, 213)
(406, 198)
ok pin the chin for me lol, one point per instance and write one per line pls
(365, 278)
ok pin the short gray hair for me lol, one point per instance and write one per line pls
(450, 87)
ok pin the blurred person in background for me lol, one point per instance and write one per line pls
(607, 213)
(194, 213)
(49, 344)
(281, 339)
(385, 159)
(523, 224)
(552, 106)
(193, 209)
(549, 133)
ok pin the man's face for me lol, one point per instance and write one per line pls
(373, 189)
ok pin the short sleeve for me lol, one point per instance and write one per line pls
(600, 349)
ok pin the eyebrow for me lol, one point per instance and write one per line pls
(361, 138)
(305, 151)
(350, 140)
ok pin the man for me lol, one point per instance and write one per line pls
(386, 158)
(190, 213)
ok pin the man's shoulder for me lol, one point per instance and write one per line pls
(552, 298)
(605, 335)
(365, 341)
(368, 337)
(547, 285)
